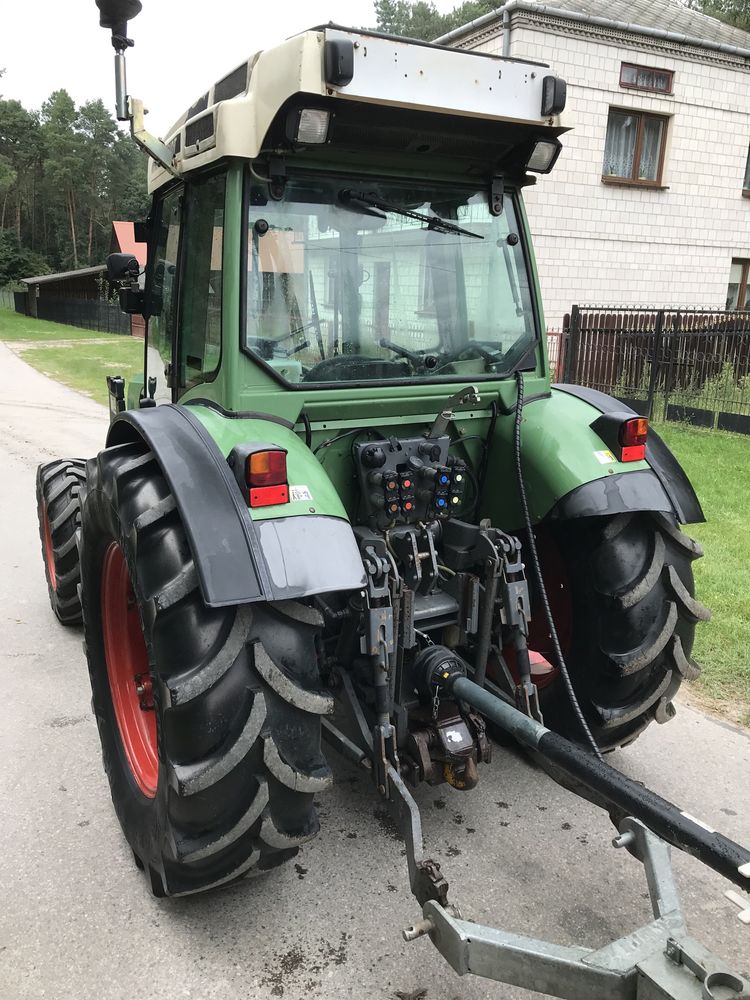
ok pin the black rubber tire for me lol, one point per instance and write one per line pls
(58, 486)
(633, 617)
(236, 694)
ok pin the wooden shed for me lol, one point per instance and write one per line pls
(84, 284)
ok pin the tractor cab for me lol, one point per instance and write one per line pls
(348, 219)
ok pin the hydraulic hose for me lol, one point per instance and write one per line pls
(613, 791)
(538, 574)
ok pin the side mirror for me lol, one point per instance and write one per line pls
(122, 267)
(115, 14)
(131, 301)
(123, 270)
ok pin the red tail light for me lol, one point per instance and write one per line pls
(633, 434)
(266, 468)
(265, 474)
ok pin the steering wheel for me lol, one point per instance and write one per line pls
(422, 361)
(490, 353)
(352, 368)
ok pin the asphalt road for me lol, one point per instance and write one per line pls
(77, 920)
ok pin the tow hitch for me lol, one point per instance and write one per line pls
(658, 961)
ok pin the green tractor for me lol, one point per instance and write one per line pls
(313, 514)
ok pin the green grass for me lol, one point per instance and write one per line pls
(84, 364)
(14, 327)
(718, 465)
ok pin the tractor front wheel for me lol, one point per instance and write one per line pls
(622, 594)
(58, 485)
(209, 718)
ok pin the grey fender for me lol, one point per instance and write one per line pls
(238, 560)
(665, 488)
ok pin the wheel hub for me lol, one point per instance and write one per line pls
(145, 689)
(130, 681)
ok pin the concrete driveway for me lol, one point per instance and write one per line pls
(76, 917)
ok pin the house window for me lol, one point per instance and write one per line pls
(634, 148)
(738, 292)
(746, 182)
(658, 81)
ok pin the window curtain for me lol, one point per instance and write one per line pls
(619, 148)
(735, 280)
(648, 169)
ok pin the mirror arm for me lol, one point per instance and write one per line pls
(121, 86)
(115, 15)
(155, 148)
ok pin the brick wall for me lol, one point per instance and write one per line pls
(597, 242)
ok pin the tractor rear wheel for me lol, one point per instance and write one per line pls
(209, 718)
(622, 594)
(58, 485)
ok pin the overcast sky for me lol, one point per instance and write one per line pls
(181, 46)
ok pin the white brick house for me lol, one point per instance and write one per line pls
(648, 203)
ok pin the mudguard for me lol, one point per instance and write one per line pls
(637, 495)
(569, 470)
(295, 550)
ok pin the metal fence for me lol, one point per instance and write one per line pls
(102, 315)
(688, 365)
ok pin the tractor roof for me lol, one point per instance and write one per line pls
(234, 116)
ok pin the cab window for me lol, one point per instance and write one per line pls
(199, 329)
(163, 294)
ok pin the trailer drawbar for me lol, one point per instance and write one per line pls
(658, 961)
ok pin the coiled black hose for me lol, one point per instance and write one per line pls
(538, 572)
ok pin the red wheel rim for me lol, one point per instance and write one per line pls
(128, 671)
(49, 551)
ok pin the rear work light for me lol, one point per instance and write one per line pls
(265, 475)
(309, 126)
(632, 436)
(544, 156)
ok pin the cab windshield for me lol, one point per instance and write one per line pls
(352, 280)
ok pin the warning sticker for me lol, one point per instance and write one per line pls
(605, 457)
(299, 493)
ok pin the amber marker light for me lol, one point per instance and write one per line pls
(267, 478)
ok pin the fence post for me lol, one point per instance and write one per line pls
(571, 352)
(656, 343)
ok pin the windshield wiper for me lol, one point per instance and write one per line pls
(434, 223)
